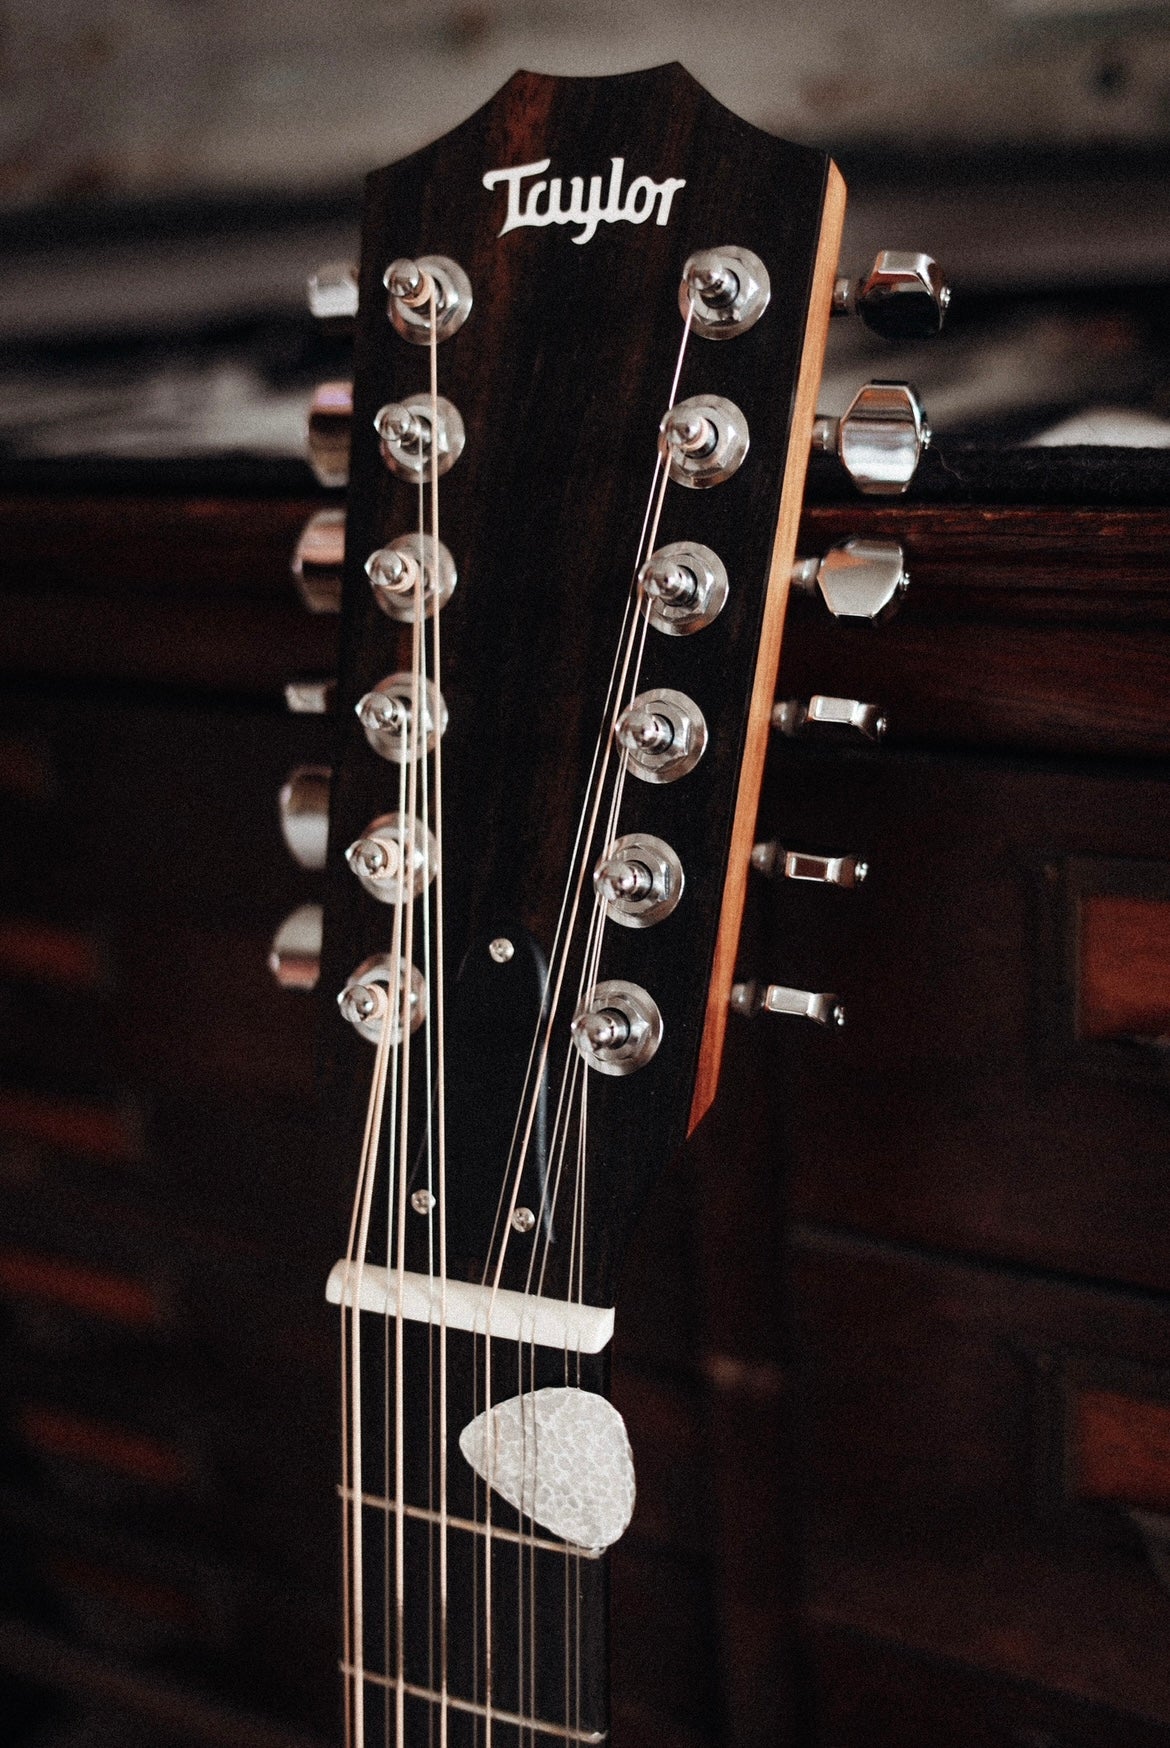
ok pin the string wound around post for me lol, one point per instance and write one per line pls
(728, 289)
(413, 284)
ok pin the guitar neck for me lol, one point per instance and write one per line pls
(544, 1611)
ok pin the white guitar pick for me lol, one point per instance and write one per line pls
(562, 1458)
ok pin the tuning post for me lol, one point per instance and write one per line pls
(791, 717)
(304, 814)
(379, 714)
(394, 572)
(879, 439)
(408, 444)
(617, 1028)
(366, 997)
(663, 735)
(857, 579)
(333, 295)
(902, 297)
(412, 284)
(684, 587)
(386, 715)
(394, 859)
(330, 420)
(639, 879)
(725, 291)
(777, 863)
(409, 283)
(375, 858)
(295, 958)
(703, 440)
(751, 998)
(407, 568)
(363, 1004)
(318, 561)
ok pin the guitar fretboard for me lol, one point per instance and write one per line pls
(536, 1675)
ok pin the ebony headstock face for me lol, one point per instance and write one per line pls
(561, 374)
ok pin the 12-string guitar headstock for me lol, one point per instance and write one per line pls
(584, 241)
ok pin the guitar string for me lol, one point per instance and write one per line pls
(350, 1285)
(440, 1189)
(402, 1135)
(562, 940)
(589, 976)
(405, 960)
(399, 970)
(601, 748)
(357, 1251)
(606, 743)
(421, 739)
(636, 593)
(419, 751)
(637, 633)
(399, 986)
(417, 755)
(552, 1010)
(591, 959)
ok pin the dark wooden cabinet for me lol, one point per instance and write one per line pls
(895, 1342)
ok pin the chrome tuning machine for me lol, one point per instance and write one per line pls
(639, 879)
(413, 287)
(394, 859)
(386, 711)
(295, 958)
(879, 439)
(333, 296)
(319, 560)
(410, 572)
(857, 579)
(751, 998)
(663, 735)
(330, 422)
(703, 440)
(724, 291)
(417, 436)
(617, 1028)
(792, 717)
(311, 695)
(304, 815)
(366, 997)
(776, 863)
(903, 296)
(684, 587)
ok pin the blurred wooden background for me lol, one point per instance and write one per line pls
(894, 1348)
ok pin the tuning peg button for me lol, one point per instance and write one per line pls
(333, 294)
(319, 560)
(295, 959)
(903, 296)
(330, 419)
(773, 860)
(858, 579)
(750, 999)
(879, 439)
(304, 814)
(792, 717)
(309, 697)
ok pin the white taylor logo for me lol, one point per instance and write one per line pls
(635, 206)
